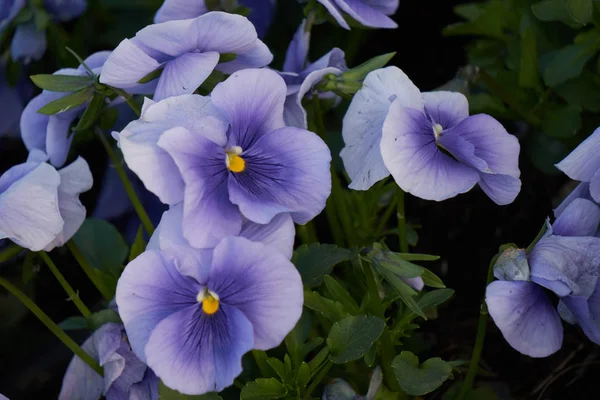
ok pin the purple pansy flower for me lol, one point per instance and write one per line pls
(428, 142)
(583, 164)
(261, 14)
(188, 51)
(301, 76)
(370, 13)
(339, 389)
(39, 206)
(564, 261)
(125, 376)
(229, 157)
(192, 321)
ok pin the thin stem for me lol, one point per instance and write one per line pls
(386, 215)
(479, 339)
(137, 109)
(63, 282)
(133, 197)
(402, 222)
(89, 271)
(321, 130)
(307, 233)
(55, 329)
(317, 380)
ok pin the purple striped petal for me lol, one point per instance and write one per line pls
(584, 161)
(580, 218)
(184, 74)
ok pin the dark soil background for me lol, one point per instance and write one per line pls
(465, 231)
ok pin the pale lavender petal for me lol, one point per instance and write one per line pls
(58, 140)
(261, 14)
(388, 7)
(595, 186)
(29, 213)
(179, 9)
(184, 74)
(415, 283)
(335, 12)
(65, 10)
(502, 189)
(28, 43)
(411, 155)
(586, 312)
(446, 108)
(581, 191)
(363, 123)
(147, 389)
(95, 61)
(365, 14)
(580, 218)
(196, 353)
(252, 100)
(126, 65)
(150, 289)
(80, 381)
(256, 56)
(296, 56)
(461, 150)
(525, 316)
(287, 170)
(278, 234)
(584, 161)
(263, 284)
(209, 215)
(34, 125)
(334, 58)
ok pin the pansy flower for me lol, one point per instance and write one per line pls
(261, 12)
(187, 51)
(192, 321)
(125, 376)
(39, 206)
(228, 157)
(428, 142)
(369, 13)
(565, 261)
(301, 76)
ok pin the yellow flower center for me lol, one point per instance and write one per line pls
(209, 300)
(437, 130)
(234, 162)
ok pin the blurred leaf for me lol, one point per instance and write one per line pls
(316, 260)
(528, 68)
(417, 257)
(102, 317)
(340, 293)
(434, 298)
(583, 91)
(545, 151)
(432, 280)
(166, 393)
(553, 10)
(263, 389)
(91, 113)
(102, 245)
(108, 118)
(580, 10)
(350, 338)
(417, 380)
(62, 83)
(332, 310)
(562, 121)
(405, 292)
(139, 244)
(74, 323)
(491, 21)
(29, 267)
(67, 103)
(568, 62)
(371, 355)
(317, 360)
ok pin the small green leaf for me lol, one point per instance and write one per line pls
(359, 73)
(330, 309)
(562, 121)
(227, 57)
(371, 355)
(405, 292)
(580, 10)
(568, 62)
(340, 293)
(583, 91)
(318, 360)
(67, 103)
(350, 338)
(283, 370)
(139, 244)
(528, 68)
(417, 380)
(317, 260)
(303, 375)
(434, 298)
(432, 280)
(417, 257)
(91, 113)
(166, 393)
(102, 317)
(151, 76)
(263, 389)
(102, 245)
(62, 83)
(30, 268)
(74, 323)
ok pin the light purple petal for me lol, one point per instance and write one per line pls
(81, 382)
(256, 56)
(278, 234)
(415, 283)
(365, 14)
(252, 101)
(58, 140)
(95, 61)
(209, 215)
(66, 10)
(150, 289)
(502, 189)
(296, 56)
(446, 108)
(334, 58)
(179, 9)
(584, 161)
(387, 7)
(196, 353)
(525, 316)
(581, 191)
(363, 123)
(595, 186)
(34, 125)
(461, 150)
(28, 43)
(586, 312)
(580, 218)
(287, 170)
(184, 74)
(126, 65)
(29, 213)
(263, 284)
(411, 155)
(335, 12)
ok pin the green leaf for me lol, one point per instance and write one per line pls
(405, 292)
(102, 317)
(432, 280)
(74, 323)
(68, 102)
(583, 91)
(62, 83)
(393, 262)
(108, 119)
(318, 360)
(562, 121)
(568, 62)
(359, 73)
(330, 309)
(545, 151)
(102, 245)
(580, 10)
(317, 260)
(139, 244)
(283, 370)
(371, 355)
(350, 338)
(528, 68)
(151, 76)
(30, 268)
(491, 21)
(166, 393)
(417, 257)
(41, 18)
(339, 293)
(263, 389)
(434, 298)
(416, 379)
(303, 375)
(91, 113)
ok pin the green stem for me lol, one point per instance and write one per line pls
(63, 282)
(317, 380)
(307, 233)
(402, 222)
(386, 216)
(89, 271)
(55, 329)
(137, 109)
(9, 252)
(479, 339)
(133, 197)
